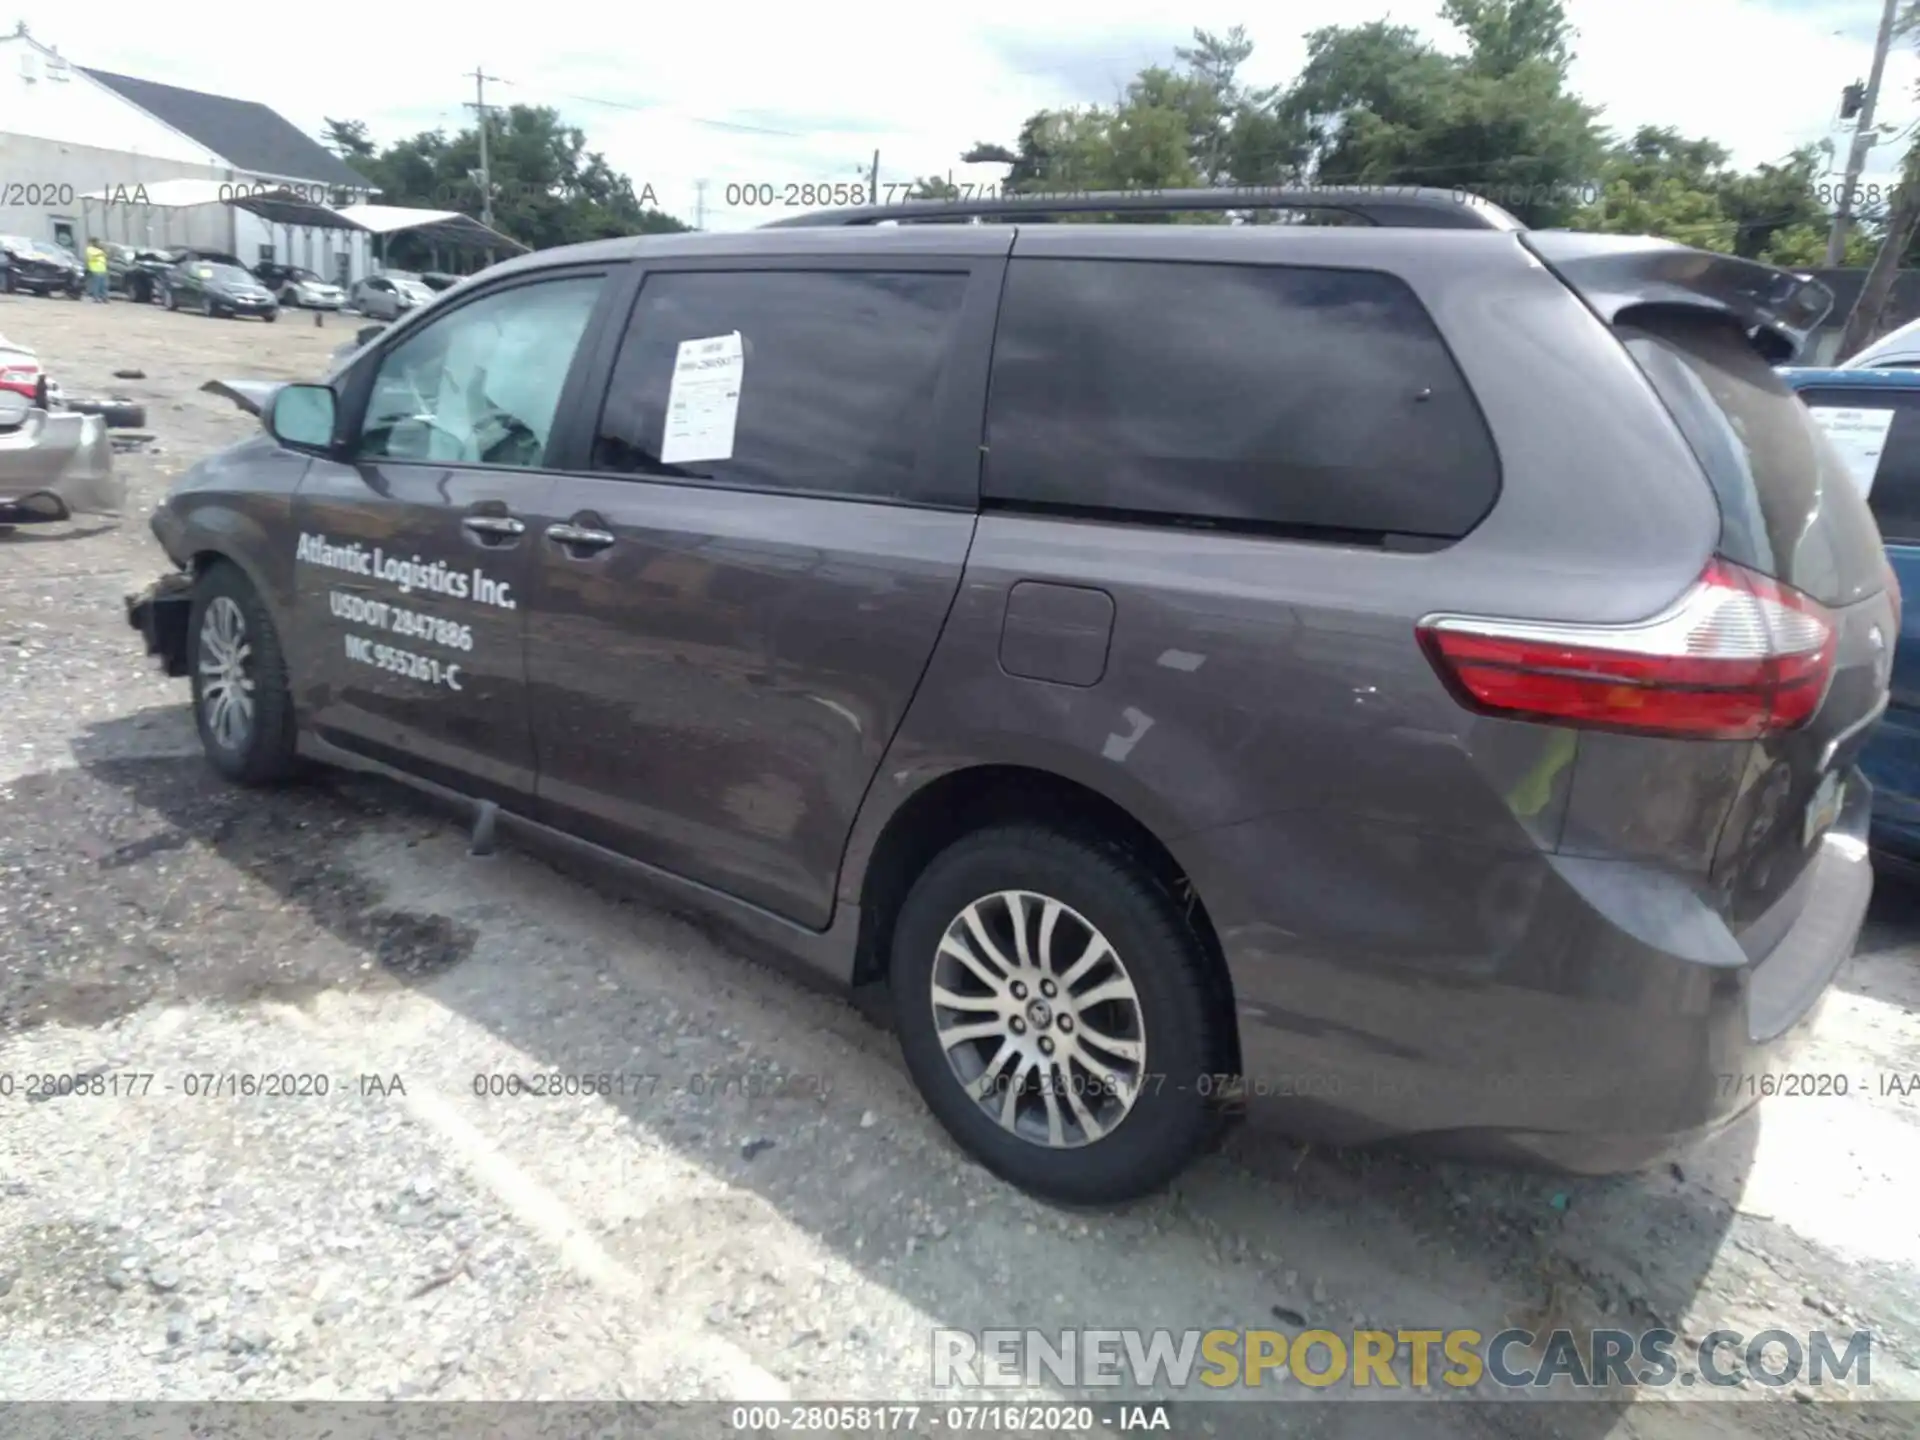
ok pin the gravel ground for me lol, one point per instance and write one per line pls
(767, 1211)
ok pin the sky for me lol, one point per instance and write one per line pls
(750, 97)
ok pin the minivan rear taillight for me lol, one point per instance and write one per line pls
(1738, 656)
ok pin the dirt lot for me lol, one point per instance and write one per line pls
(774, 1215)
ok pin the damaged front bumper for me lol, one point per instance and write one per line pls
(159, 613)
(55, 465)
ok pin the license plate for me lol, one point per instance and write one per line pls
(1823, 809)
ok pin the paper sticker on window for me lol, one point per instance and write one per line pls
(704, 402)
(1859, 435)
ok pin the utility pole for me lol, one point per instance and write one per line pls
(873, 188)
(479, 106)
(1863, 138)
(699, 204)
(1903, 220)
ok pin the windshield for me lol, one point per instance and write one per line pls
(413, 289)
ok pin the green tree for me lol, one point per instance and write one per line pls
(1380, 106)
(1775, 206)
(348, 139)
(1375, 104)
(1179, 127)
(548, 187)
(1659, 182)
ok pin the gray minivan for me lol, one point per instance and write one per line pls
(1402, 678)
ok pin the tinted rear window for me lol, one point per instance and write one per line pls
(1311, 399)
(1788, 507)
(839, 379)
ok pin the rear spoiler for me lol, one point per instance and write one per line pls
(1614, 274)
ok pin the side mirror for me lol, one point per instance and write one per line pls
(302, 417)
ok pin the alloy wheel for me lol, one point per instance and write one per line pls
(226, 674)
(1039, 1019)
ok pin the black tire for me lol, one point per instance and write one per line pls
(1172, 1118)
(271, 316)
(118, 414)
(262, 752)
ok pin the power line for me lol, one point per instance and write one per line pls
(643, 109)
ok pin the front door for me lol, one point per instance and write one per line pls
(731, 616)
(413, 558)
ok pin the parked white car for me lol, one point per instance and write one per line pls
(298, 287)
(1898, 350)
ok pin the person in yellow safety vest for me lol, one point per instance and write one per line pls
(96, 271)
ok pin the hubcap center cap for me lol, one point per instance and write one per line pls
(1039, 1014)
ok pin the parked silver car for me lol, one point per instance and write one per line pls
(54, 464)
(297, 287)
(387, 297)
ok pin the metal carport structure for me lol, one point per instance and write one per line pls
(436, 227)
(276, 205)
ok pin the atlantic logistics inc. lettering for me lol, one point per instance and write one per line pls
(406, 575)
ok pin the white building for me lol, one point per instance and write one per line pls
(67, 133)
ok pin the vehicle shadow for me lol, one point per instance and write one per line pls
(57, 532)
(1297, 1239)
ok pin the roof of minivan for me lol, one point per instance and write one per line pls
(1802, 377)
(1174, 242)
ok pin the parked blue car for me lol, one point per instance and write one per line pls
(1864, 411)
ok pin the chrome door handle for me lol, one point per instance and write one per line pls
(495, 525)
(579, 535)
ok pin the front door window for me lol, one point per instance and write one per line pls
(480, 386)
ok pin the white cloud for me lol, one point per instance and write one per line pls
(846, 77)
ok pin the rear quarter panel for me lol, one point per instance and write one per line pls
(1252, 677)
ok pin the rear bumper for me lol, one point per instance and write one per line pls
(56, 465)
(1587, 1016)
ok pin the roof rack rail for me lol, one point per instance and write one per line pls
(1416, 207)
